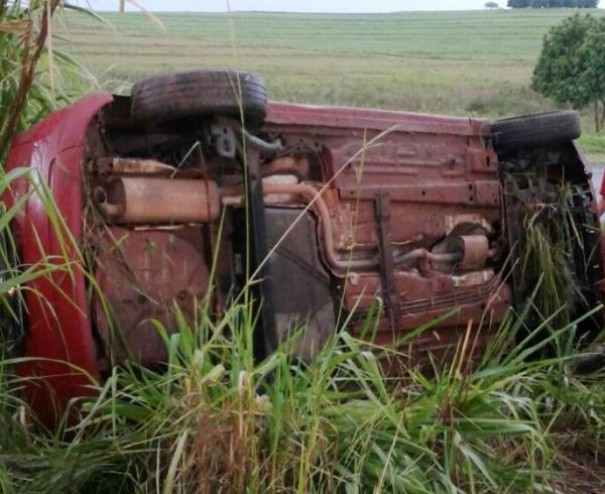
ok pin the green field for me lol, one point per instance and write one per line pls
(463, 63)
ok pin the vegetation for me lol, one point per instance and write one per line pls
(414, 61)
(571, 67)
(461, 63)
(34, 79)
(213, 419)
(553, 4)
(22, 49)
(215, 422)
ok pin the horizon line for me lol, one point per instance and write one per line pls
(133, 10)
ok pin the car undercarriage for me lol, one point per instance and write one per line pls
(195, 189)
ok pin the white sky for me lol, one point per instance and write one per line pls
(297, 5)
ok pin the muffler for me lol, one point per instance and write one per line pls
(142, 200)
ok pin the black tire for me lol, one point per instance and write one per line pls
(200, 93)
(535, 130)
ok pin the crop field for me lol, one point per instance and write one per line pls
(454, 62)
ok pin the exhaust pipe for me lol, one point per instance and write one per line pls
(130, 200)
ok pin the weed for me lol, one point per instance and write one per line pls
(215, 421)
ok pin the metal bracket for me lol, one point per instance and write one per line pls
(223, 138)
(387, 264)
(265, 334)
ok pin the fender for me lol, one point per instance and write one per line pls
(62, 359)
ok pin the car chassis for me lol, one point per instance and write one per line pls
(195, 184)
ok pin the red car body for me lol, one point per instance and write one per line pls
(430, 170)
(59, 341)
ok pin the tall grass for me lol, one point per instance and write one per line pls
(33, 81)
(213, 421)
(34, 78)
(25, 31)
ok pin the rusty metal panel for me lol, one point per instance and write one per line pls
(145, 275)
(303, 301)
(477, 193)
(286, 114)
(413, 225)
(426, 164)
(482, 317)
(418, 293)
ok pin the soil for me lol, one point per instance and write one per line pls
(581, 474)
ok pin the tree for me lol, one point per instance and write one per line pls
(492, 5)
(553, 4)
(518, 4)
(571, 67)
(594, 52)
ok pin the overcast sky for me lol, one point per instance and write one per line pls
(298, 5)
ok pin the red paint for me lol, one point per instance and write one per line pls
(438, 173)
(285, 114)
(62, 358)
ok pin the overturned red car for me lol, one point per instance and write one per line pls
(195, 183)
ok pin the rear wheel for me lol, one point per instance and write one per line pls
(200, 93)
(535, 130)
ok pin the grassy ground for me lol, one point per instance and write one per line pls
(215, 422)
(477, 62)
(463, 63)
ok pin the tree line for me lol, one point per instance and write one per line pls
(553, 4)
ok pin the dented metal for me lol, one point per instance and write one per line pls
(401, 216)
